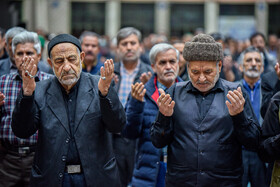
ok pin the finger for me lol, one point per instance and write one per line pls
(161, 91)
(143, 93)
(33, 70)
(102, 71)
(141, 88)
(165, 99)
(228, 105)
(168, 101)
(230, 97)
(110, 67)
(172, 104)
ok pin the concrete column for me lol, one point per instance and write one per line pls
(28, 14)
(41, 18)
(112, 17)
(261, 14)
(211, 16)
(162, 17)
(59, 17)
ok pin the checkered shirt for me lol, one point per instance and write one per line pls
(126, 80)
(10, 86)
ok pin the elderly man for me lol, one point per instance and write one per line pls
(209, 123)
(16, 155)
(252, 68)
(90, 45)
(74, 114)
(8, 65)
(141, 111)
(128, 71)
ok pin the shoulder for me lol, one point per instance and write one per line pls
(230, 85)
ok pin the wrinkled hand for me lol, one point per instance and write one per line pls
(29, 70)
(165, 103)
(2, 98)
(107, 74)
(145, 77)
(277, 69)
(237, 101)
(138, 91)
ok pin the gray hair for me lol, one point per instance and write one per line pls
(27, 37)
(12, 32)
(89, 33)
(250, 49)
(126, 32)
(161, 47)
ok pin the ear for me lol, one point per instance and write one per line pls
(241, 68)
(82, 56)
(50, 62)
(220, 66)
(153, 67)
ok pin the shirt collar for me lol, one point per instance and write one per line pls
(256, 85)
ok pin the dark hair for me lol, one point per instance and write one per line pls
(255, 35)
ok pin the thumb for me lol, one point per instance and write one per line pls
(161, 91)
(239, 89)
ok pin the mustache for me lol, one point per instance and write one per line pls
(254, 68)
(89, 53)
(205, 82)
(68, 73)
(169, 71)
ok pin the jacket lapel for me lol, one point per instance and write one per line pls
(56, 103)
(84, 99)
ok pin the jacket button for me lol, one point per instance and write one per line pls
(67, 140)
(60, 175)
(63, 158)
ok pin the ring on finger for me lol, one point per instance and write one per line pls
(103, 78)
(28, 74)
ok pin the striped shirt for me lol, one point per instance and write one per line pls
(126, 80)
(10, 86)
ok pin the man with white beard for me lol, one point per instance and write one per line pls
(252, 66)
(205, 122)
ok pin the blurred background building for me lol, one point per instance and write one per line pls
(235, 18)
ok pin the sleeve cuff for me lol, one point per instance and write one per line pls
(238, 120)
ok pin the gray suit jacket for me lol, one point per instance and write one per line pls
(96, 116)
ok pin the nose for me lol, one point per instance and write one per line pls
(66, 67)
(128, 46)
(254, 63)
(202, 78)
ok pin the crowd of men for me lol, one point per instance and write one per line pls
(192, 111)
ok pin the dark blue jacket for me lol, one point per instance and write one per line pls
(140, 116)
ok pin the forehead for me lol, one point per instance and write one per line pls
(63, 49)
(252, 54)
(258, 38)
(25, 46)
(202, 64)
(131, 37)
(90, 39)
(170, 53)
(179, 46)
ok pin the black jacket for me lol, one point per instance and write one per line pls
(205, 152)
(95, 117)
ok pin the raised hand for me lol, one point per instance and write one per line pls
(277, 69)
(145, 77)
(165, 103)
(106, 76)
(29, 70)
(138, 91)
(2, 98)
(237, 101)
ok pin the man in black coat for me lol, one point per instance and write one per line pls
(210, 122)
(74, 114)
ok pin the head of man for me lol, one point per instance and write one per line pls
(164, 59)
(2, 42)
(258, 40)
(204, 61)
(180, 47)
(128, 42)
(26, 44)
(9, 35)
(251, 63)
(65, 57)
(90, 45)
(272, 41)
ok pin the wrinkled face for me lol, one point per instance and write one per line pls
(180, 48)
(91, 48)
(259, 43)
(23, 50)
(252, 64)
(9, 48)
(204, 74)
(66, 63)
(166, 67)
(129, 49)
